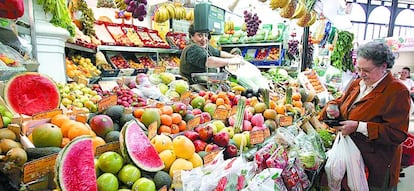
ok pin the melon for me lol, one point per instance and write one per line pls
(29, 93)
(137, 148)
(75, 166)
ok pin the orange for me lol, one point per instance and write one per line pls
(176, 118)
(296, 96)
(272, 104)
(219, 101)
(280, 109)
(59, 119)
(164, 129)
(66, 125)
(175, 129)
(297, 103)
(166, 120)
(65, 141)
(77, 130)
(182, 125)
(138, 113)
(96, 142)
(166, 109)
(269, 114)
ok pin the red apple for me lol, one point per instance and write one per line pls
(202, 93)
(247, 114)
(205, 133)
(180, 108)
(192, 135)
(196, 111)
(221, 139)
(232, 120)
(230, 151)
(206, 117)
(199, 145)
(247, 125)
(211, 147)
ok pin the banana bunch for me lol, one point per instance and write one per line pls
(289, 10)
(228, 27)
(274, 4)
(180, 12)
(120, 4)
(190, 15)
(300, 10)
(162, 14)
(238, 88)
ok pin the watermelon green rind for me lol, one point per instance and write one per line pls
(136, 147)
(29, 93)
(75, 169)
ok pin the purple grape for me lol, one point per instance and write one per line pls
(133, 4)
(141, 6)
(127, 1)
(144, 2)
(130, 9)
(141, 18)
(135, 13)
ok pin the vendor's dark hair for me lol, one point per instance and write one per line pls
(407, 68)
(378, 52)
(191, 30)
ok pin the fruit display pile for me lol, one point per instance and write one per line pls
(81, 67)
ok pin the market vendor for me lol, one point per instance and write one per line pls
(375, 110)
(200, 57)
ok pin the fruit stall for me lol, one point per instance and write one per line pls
(114, 114)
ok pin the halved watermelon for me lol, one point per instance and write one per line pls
(137, 148)
(75, 169)
(30, 93)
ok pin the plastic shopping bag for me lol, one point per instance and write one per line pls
(355, 167)
(335, 166)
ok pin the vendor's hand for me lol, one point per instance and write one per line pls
(332, 111)
(348, 127)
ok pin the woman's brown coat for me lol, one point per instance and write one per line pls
(386, 109)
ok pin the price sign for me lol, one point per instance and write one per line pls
(211, 156)
(193, 123)
(81, 80)
(285, 121)
(107, 85)
(47, 114)
(38, 168)
(152, 130)
(256, 137)
(112, 146)
(107, 102)
(220, 114)
(1, 122)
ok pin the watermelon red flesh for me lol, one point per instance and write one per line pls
(30, 93)
(140, 149)
(76, 166)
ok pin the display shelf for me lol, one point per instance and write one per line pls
(80, 48)
(252, 44)
(137, 49)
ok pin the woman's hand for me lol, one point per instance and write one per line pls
(348, 127)
(332, 111)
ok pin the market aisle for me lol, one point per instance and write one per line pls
(407, 183)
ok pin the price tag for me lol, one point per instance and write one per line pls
(1, 121)
(193, 123)
(266, 133)
(107, 102)
(285, 121)
(112, 146)
(164, 188)
(83, 118)
(211, 156)
(107, 85)
(38, 168)
(220, 114)
(152, 130)
(81, 80)
(256, 137)
(47, 114)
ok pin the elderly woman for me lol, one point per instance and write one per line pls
(375, 113)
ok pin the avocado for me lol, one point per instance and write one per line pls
(35, 153)
(125, 118)
(115, 112)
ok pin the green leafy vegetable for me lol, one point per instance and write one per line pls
(326, 137)
(60, 14)
(341, 55)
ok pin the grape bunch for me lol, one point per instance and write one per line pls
(252, 22)
(293, 50)
(137, 8)
(309, 55)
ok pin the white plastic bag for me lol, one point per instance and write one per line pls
(335, 166)
(250, 76)
(355, 167)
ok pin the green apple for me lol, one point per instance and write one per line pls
(215, 129)
(229, 131)
(247, 135)
(240, 140)
(219, 124)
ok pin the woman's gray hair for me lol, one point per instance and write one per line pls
(378, 52)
